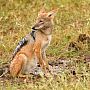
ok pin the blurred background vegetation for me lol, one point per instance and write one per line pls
(18, 16)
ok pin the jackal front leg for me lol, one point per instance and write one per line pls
(38, 54)
(44, 58)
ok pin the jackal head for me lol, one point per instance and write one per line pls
(44, 20)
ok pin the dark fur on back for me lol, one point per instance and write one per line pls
(19, 46)
(23, 42)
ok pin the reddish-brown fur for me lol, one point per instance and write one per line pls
(36, 48)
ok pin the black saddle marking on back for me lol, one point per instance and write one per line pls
(23, 42)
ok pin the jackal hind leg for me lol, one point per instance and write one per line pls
(17, 64)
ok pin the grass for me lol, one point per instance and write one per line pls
(73, 18)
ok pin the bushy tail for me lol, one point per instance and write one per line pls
(4, 69)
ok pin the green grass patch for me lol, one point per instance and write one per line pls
(73, 18)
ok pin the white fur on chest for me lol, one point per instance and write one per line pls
(46, 42)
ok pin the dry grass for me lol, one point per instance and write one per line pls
(72, 19)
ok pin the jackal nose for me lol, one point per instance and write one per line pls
(33, 28)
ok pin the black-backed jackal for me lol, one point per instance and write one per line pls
(36, 44)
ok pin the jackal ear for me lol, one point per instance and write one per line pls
(42, 11)
(52, 13)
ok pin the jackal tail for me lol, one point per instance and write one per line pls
(4, 69)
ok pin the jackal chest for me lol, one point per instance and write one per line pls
(46, 42)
